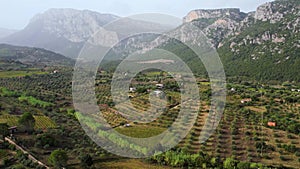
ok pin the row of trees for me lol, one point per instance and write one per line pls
(59, 159)
(183, 159)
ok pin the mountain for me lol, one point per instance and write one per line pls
(60, 30)
(262, 45)
(65, 31)
(217, 24)
(35, 57)
(267, 47)
(6, 32)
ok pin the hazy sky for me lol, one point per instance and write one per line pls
(15, 14)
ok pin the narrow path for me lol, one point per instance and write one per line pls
(26, 152)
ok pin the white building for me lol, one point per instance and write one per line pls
(132, 89)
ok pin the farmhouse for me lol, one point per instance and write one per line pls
(132, 89)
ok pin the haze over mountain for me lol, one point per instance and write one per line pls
(60, 30)
(66, 30)
(6, 32)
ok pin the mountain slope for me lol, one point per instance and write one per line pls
(262, 45)
(32, 56)
(268, 48)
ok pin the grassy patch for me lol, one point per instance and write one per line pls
(140, 131)
(34, 102)
(7, 93)
(205, 83)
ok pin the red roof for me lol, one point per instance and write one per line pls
(272, 124)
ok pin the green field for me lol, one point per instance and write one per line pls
(140, 131)
(19, 73)
(41, 122)
(34, 102)
(7, 93)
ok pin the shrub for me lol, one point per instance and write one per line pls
(243, 165)
(297, 154)
(283, 158)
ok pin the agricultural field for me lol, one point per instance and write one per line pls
(20, 73)
(243, 133)
(41, 122)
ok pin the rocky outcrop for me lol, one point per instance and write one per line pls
(277, 10)
(234, 13)
(74, 25)
(266, 12)
(216, 24)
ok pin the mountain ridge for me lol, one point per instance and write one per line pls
(35, 57)
(250, 44)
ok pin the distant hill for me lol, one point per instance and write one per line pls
(33, 57)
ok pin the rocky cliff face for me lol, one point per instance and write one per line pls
(216, 24)
(74, 25)
(220, 24)
(65, 31)
(60, 30)
(277, 10)
(263, 44)
(265, 12)
(223, 26)
(234, 13)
